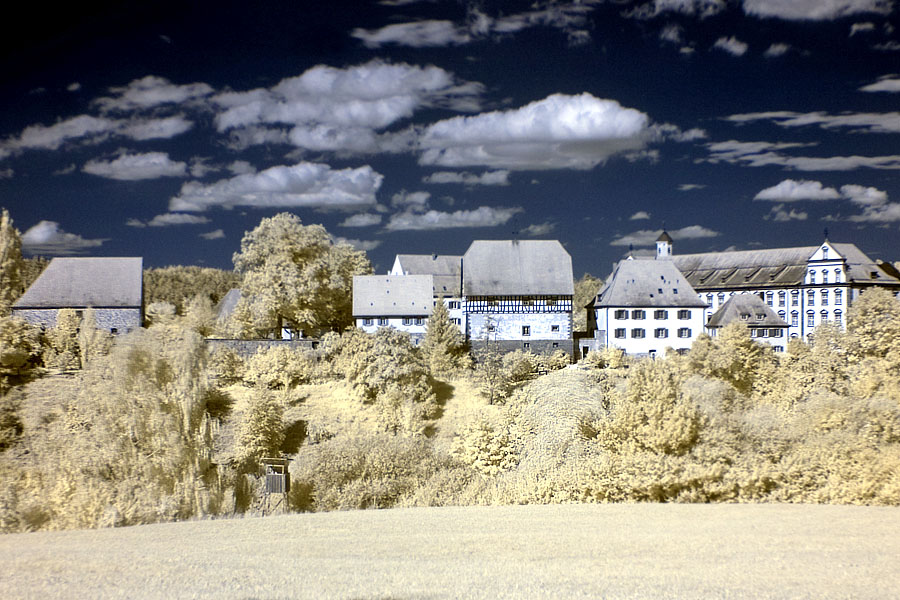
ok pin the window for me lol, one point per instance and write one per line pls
(527, 302)
(769, 298)
(760, 316)
(621, 314)
(795, 298)
(778, 348)
(551, 303)
(838, 297)
(420, 321)
(637, 333)
(709, 299)
(684, 332)
(367, 321)
(824, 252)
(684, 314)
(526, 345)
(721, 298)
(824, 297)
(762, 333)
(795, 318)
(776, 332)
(407, 321)
(554, 328)
(660, 315)
(812, 276)
(782, 299)
(824, 276)
(810, 318)
(824, 316)
(620, 333)
(382, 322)
(638, 314)
(457, 321)
(811, 297)
(837, 316)
(745, 316)
(661, 332)
(555, 344)
(782, 315)
(453, 304)
(526, 329)
(492, 328)
(114, 330)
(837, 275)
(492, 303)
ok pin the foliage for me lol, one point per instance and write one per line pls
(178, 285)
(586, 289)
(227, 366)
(280, 367)
(200, 315)
(262, 431)
(159, 313)
(11, 264)
(731, 356)
(293, 272)
(489, 445)
(92, 342)
(444, 347)
(10, 422)
(62, 350)
(20, 353)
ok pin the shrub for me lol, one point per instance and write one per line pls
(261, 433)
(280, 367)
(20, 353)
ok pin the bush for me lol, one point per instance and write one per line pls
(20, 353)
(280, 367)
(262, 431)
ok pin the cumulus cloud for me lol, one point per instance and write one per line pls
(698, 8)
(689, 187)
(169, 219)
(776, 50)
(780, 215)
(731, 45)
(814, 10)
(412, 199)
(760, 154)
(538, 229)
(792, 191)
(500, 177)
(864, 196)
(648, 237)
(218, 234)
(858, 122)
(560, 131)
(150, 92)
(861, 28)
(888, 83)
(361, 220)
(365, 245)
(876, 208)
(133, 167)
(483, 216)
(419, 34)
(241, 167)
(73, 87)
(155, 129)
(310, 185)
(48, 238)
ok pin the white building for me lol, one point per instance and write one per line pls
(645, 307)
(446, 271)
(402, 302)
(765, 326)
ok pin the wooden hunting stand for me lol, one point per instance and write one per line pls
(278, 483)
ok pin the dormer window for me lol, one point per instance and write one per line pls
(745, 316)
(824, 252)
(760, 316)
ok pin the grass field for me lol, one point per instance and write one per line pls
(562, 551)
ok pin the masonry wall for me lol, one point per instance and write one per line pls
(122, 320)
(247, 348)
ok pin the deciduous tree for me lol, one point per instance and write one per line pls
(11, 263)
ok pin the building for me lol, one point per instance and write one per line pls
(403, 302)
(765, 326)
(518, 293)
(113, 287)
(446, 271)
(645, 307)
(805, 286)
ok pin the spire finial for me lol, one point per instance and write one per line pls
(826, 233)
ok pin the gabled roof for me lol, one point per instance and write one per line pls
(81, 282)
(445, 268)
(392, 295)
(650, 283)
(746, 308)
(775, 267)
(517, 268)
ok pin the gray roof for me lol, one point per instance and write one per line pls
(517, 268)
(746, 308)
(776, 267)
(445, 268)
(228, 303)
(392, 295)
(81, 282)
(646, 283)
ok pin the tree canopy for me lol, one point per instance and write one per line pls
(11, 263)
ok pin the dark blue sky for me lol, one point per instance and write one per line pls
(417, 126)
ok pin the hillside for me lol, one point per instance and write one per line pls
(565, 551)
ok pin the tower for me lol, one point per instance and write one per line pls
(663, 246)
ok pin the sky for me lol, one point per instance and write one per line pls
(416, 126)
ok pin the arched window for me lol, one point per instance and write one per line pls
(810, 318)
(721, 298)
(812, 276)
(824, 316)
(837, 316)
(824, 297)
(837, 275)
(795, 318)
(769, 298)
(824, 252)
(824, 276)
(782, 297)
(810, 297)
(795, 298)
(838, 297)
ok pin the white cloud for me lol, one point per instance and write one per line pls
(861, 28)
(133, 167)
(639, 215)
(483, 216)
(310, 185)
(560, 131)
(814, 10)
(155, 129)
(413, 199)
(135, 223)
(365, 245)
(689, 187)
(672, 33)
(419, 34)
(539, 229)
(862, 122)
(792, 191)
(779, 215)
(776, 50)
(361, 220)
(888, 83)
(168, 219)
(241, 167)
(864, 196)
(47, 238)
(149, 92)
(698, 8)
(890, 46)
(648, 237)
(6, 173)
(731, 45)
(218, 234)
(760, 154)
(487, 178)
(73, 87)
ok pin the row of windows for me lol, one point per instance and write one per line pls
(769, 297)
(659, 333)
(409, 321)
(526, 329)
(659, 315)
(763, 333)
(811, 317)
(825, 275)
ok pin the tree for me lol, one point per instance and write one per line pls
(11, 263)
(20, 353)
(585, 290)
(262, 431)
(444, 347)
(178, 285)
(294, 272)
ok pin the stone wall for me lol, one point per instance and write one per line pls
(115, 320)
(247, 348)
